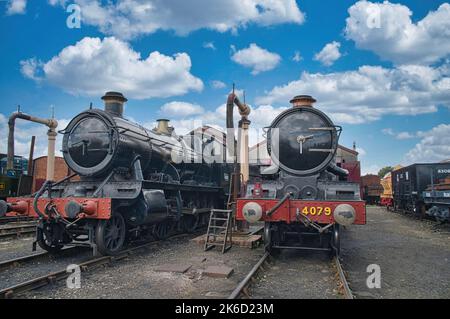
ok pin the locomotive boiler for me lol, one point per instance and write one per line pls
(133, 182)
(303, 197)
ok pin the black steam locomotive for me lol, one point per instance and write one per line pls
(133, 182)
(303, 195)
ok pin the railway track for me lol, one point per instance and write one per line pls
(340, 271)
(17, 229)
(14, 219)
(14, 262)
(54, 277)
(242, 290)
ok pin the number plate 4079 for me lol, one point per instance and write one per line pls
(316, 211)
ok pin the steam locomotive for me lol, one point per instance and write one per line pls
(303, 197)
(133, 182)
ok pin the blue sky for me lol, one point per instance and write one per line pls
(381, 70)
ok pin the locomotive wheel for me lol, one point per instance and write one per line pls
(336, 240)
(189, 223)
(267, 237)
(421, 211)
(161, 230)
(110, 235)
(44, 240)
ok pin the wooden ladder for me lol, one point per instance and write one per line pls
(220, 224)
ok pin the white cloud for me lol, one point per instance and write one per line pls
(434, 146)
(180, 109)
(370, 92)
(259, 59)
(371, 169)
(218, 84)
(404, 135)
(30, 68)
(401, 135)
(16, 7)
(387, 29)
(263, 115)
(209, 45)
(329, 54)
(131, 18)
(361, 151)
(297, 57)
(93, 66)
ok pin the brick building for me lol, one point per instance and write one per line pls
(40, 171)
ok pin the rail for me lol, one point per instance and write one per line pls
(16, 231)
(54, 277)
(10, 263)
(242, 287)
(347, 291)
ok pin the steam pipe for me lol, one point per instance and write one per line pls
(46, 185)
(50, 123)
(278, 205)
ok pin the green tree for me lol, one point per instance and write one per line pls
(385, 170)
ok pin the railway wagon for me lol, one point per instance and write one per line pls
(410, 183)
(16, 181)
(8, 186)
(133, 182)
(386, 198)
(437, 200)
(303, 198)
(372, 189)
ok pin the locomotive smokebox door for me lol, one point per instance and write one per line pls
(302, 141)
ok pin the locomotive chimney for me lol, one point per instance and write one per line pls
(303, 101)
(163, 126)
(114, 102)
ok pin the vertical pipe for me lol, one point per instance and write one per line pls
(243, 150)
(51, 154)
(244, 111)
(30, 158)
(10, 162)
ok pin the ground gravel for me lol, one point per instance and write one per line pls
(413, 255)
(137, 276)
(298, 275)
